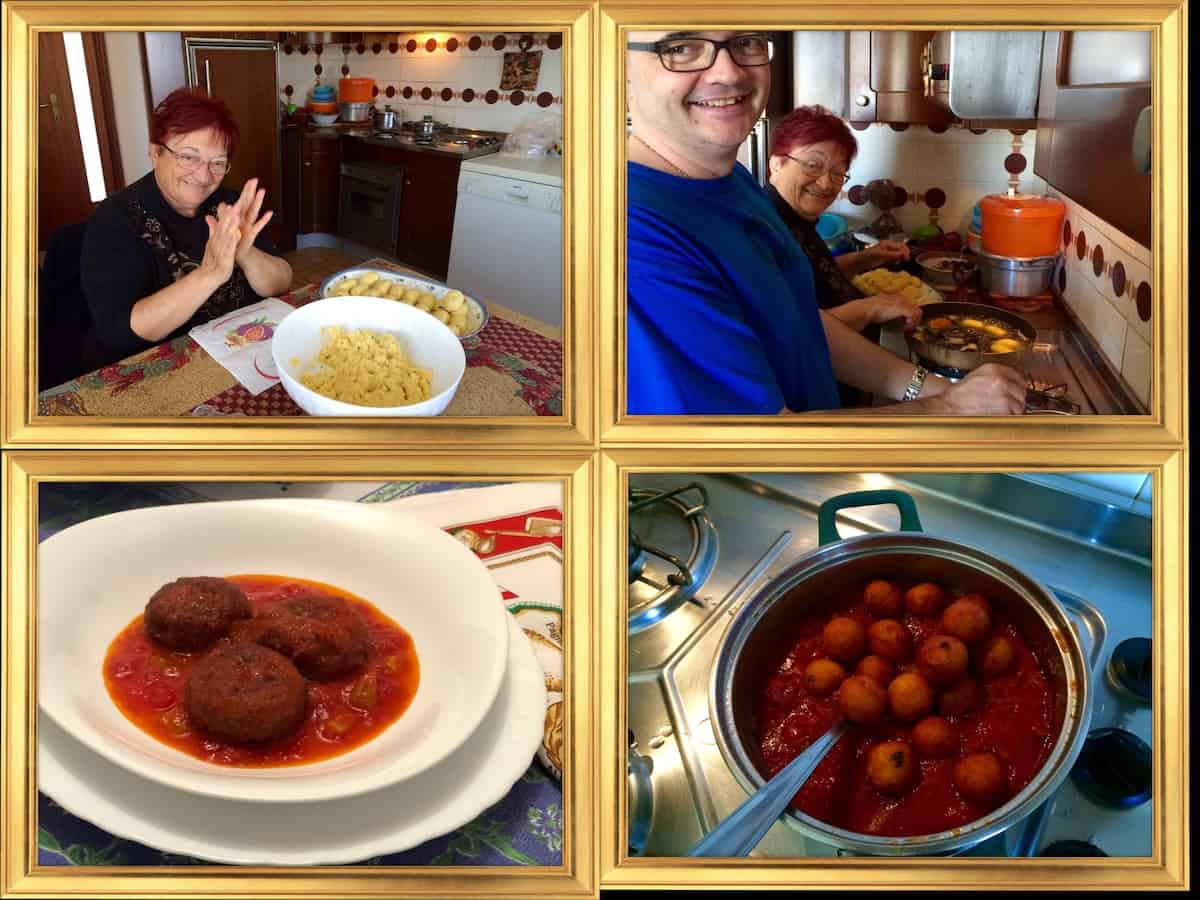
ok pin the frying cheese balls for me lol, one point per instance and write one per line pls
(942, 659)
(844, 638)
(191, 613)
(981, 777)
(935, 737)
(889, 639)
(883, 599)
(959, 699)
(876, 667)
(925, 599)
(892, 767)
(863, 700)
(246, 693)
(967, 621)
(996, 656)
(822, 677)
(910, 696)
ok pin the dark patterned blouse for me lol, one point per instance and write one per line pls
(833, 287)
(136, 244)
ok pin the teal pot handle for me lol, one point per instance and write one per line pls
(827, 515)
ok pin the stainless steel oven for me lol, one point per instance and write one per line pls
(369, 205)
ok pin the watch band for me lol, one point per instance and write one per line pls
(915, 384)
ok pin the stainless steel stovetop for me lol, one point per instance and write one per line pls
(730, 532)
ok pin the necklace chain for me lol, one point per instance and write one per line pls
(708, 172)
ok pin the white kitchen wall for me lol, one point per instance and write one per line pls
(128, 91)
(477, 70)
(964, 165)
(1118, 321)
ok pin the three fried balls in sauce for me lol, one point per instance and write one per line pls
(938, 683)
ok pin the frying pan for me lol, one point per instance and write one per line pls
(966, 360)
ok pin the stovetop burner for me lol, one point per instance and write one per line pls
(1129, 669)
(672, 549)
(1114, 769)
(1041, 397)
(1072, 848)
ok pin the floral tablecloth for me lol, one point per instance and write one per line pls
(523, 829)
(514, 368)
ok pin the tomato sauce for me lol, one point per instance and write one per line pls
(147, 682)
(1013, 720)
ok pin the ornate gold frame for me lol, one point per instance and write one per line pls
(21, 426)
(1168, 396)
(20, 474)
(1167, 868)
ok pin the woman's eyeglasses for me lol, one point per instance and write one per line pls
(190, 162)
(697, 54)
(814, 169)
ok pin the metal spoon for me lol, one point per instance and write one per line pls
(740, 833)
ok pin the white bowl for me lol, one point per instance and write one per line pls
(416, 574)
(439, 290)
(324, 118)
(425, 341)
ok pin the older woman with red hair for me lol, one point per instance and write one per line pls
(176, 248)
(811, 152)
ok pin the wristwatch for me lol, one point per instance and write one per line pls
(915, 384)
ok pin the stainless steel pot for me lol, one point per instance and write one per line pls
(1017, 276)
(758, 638)
(356, 112)
(386, 120)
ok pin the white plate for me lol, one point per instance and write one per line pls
(96, 576)
(479, 312)
(472, 779)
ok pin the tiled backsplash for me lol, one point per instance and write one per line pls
(453, 76)
(944, 172)
(1107, 283)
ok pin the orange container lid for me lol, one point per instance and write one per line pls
(1025, 206)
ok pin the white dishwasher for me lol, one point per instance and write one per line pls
(508, 236)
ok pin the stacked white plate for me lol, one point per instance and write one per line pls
(471, 731)
(477, 312)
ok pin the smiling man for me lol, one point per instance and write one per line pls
(722, 311)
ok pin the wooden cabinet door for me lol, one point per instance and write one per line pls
(245, 80)
(289, 185)
(886, 81)
(427, 212)
(320, 172)
(1085, 137)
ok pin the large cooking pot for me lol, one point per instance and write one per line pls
(385, 120)
(759, 636)
(1017, 276)
(966, 360)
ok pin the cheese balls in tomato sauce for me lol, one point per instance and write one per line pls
(959, 699)
(934, 737)
(876, 667)
(925, 599)
(942, 659)
(883, 599)
(892, 767)
(844, 639)
(863, 700)
(822, 677)
(996, 656)
(967, 621)
(889, 639)
(192, 613)
(978, 599)
(910, 696)
(981, 777)
(246, 693)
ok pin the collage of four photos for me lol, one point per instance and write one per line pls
(563, 450)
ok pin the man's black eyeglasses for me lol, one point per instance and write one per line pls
(695, 54)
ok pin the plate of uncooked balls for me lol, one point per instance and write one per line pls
(465, 316)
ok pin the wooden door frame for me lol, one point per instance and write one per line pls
(95, 56)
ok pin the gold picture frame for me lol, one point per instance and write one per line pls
(1164, 424)
(20, 423)
(21, 473)
(1167, 867)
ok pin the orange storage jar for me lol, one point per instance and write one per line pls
(356, 90)
(1023, 225)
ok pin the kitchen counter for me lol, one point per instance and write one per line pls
(539, 169)
(363, 133)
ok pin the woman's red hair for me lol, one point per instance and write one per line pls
(190, 109)
(807, 125)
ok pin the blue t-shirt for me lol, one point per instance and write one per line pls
(723, 317)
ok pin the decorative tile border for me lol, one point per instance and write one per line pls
(1119, 285)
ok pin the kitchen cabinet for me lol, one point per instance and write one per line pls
(886, 81)
(320, 161)
(1093, 125)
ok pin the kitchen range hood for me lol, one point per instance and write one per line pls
(980, 75)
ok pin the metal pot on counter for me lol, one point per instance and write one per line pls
(358, 111)
(758, 637)
(1017, 276)
(386, 120)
